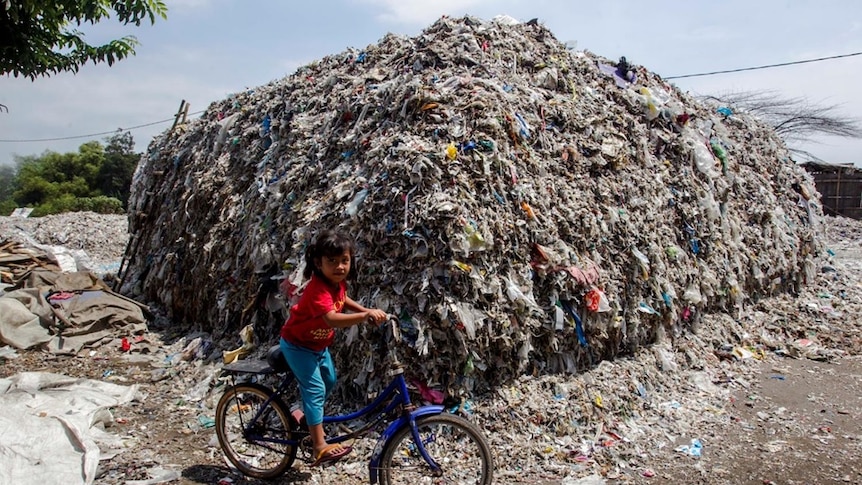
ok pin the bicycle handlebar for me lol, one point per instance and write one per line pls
(394, 327)
(391, 333)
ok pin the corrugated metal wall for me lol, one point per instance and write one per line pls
(840, 189)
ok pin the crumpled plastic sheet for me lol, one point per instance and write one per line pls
(520, 210)
(54, 427)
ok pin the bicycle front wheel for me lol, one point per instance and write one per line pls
(252, 432)
(454, 443)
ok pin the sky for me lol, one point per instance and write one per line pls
(208, 49)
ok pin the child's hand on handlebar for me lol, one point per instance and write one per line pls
(376, 316)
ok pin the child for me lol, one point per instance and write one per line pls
(308, 332)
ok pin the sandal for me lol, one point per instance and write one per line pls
(331, 453)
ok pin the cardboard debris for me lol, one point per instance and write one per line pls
(523, 207)
(64, 237)
(17, 261)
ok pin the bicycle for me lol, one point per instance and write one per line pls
(418, 445)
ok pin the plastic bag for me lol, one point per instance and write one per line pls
(517, 296)
(703, 160)
(692, 294)
(643, 262)
(597, 301)
(358, 199)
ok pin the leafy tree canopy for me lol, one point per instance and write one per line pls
(95, 178)
(39, 37)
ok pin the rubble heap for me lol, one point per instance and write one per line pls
(523, 207)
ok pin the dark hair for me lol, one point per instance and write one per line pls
(329, 243)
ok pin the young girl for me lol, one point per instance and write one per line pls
(308, 332)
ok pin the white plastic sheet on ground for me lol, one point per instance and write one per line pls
(52, 427)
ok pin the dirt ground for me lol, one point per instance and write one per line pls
(800, 422)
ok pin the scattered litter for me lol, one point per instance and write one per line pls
(247, 336)
(694, 449)
(7, 352)
(159, 475)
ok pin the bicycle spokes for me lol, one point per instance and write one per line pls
(449, 450)
(254, 431)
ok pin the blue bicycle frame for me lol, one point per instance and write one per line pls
(396, 393)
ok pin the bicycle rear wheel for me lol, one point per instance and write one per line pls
(453, 442)
(249, 430)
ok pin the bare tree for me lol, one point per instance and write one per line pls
(794, 119)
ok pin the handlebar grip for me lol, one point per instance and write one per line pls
(394, 340)
(395, 326)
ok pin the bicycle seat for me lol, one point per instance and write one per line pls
(275, 359)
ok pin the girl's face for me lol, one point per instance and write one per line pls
(335, 268)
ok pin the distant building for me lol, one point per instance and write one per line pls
(840, 187)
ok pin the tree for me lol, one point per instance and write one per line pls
(94, 178)
(115, 174)
(8, 185)
(39, 38)
(794, 119)
(8, 181)
(32, 187)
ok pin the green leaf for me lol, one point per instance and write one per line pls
(40, 37)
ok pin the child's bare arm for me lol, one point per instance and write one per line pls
(344, 320)
(378, 316)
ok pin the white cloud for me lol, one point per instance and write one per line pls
(188, 4)
(421, 12)
(95, 101)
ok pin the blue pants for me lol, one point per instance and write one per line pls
(315, 374)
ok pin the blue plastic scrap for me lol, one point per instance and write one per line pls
(499, 198)
(579, 327)
(645, 308)
(695, 449)
(695, 245)
(467, 146)
(668, 300)
(525, 130)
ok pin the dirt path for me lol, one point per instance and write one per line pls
(799, 422)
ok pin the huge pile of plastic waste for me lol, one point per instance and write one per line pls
(523, 207)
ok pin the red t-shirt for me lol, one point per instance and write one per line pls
(305, 327)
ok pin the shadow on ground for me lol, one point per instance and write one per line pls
(209, 474)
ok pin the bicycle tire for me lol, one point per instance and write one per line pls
(454, 443)
(254, 458)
